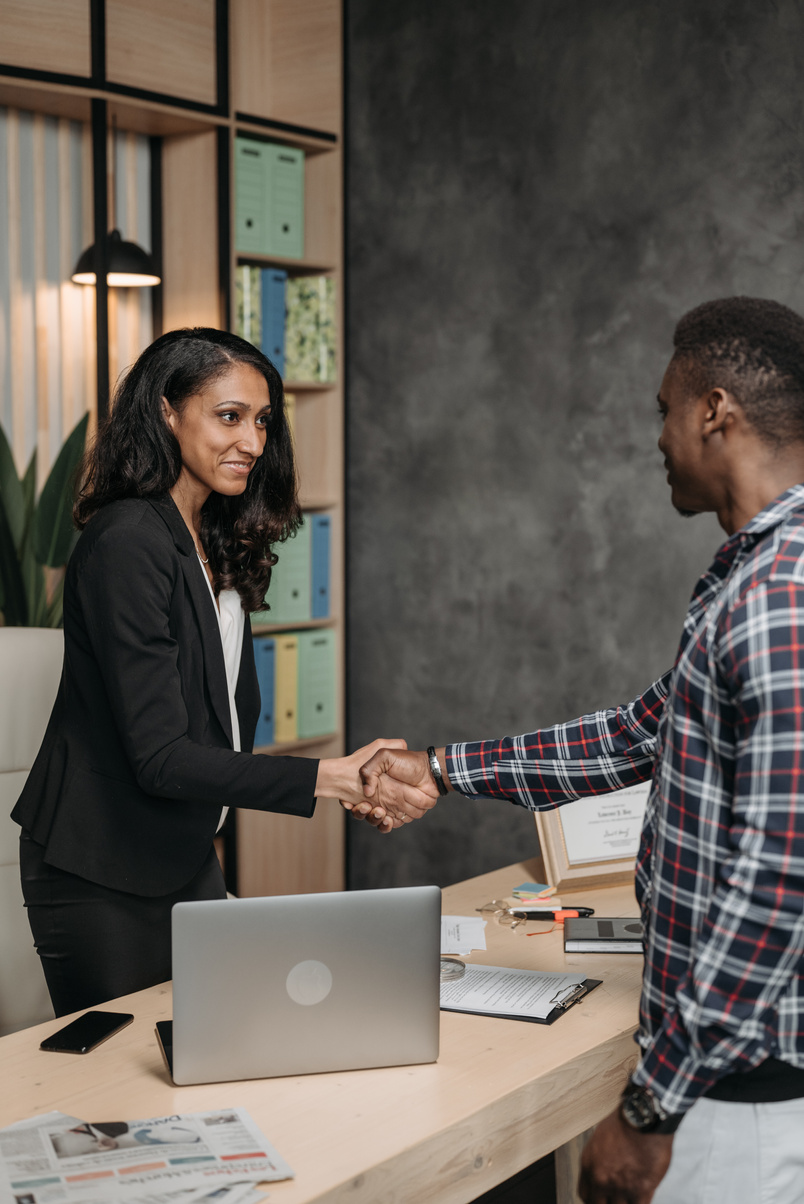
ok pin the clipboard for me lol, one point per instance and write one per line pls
(568, 999)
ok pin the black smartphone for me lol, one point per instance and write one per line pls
(89, 1030)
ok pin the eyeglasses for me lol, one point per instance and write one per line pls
(506, 915)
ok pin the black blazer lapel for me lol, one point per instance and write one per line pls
(214, 665)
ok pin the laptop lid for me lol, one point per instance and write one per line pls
(299, 984)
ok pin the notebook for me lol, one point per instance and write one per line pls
(300, 984)
(613, 934)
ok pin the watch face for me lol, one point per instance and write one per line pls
(639, 1110)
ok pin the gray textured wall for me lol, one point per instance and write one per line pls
(537, 190)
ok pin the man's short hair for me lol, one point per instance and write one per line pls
(754, 349)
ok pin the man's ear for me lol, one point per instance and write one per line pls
(718, 412)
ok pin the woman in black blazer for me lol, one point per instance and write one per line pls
(192, 473)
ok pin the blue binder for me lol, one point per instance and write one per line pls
(273, 316)
(264, 653)
(322, 526)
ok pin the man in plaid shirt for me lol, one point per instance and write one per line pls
(720, 870)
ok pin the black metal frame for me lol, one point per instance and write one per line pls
(155, 146)
(100, 212)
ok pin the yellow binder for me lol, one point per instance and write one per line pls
(287, 688)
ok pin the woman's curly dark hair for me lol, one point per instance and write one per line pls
(136, 454)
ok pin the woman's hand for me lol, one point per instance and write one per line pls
(339, 777)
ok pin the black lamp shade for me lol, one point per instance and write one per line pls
(128, 265)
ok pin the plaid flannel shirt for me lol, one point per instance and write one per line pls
(720, 870)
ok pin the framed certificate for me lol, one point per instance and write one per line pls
(593, 841)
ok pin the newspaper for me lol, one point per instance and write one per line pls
(182, 1159)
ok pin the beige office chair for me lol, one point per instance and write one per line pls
(30, 668)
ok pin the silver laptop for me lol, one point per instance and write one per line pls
(299, 984)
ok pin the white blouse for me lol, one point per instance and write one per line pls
(231, 621)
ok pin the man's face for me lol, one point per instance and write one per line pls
(683, 446)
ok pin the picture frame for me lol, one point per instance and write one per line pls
(591, 833)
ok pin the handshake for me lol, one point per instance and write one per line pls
(384, 783)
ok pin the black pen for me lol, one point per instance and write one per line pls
(548, 913)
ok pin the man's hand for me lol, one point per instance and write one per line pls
(401, 783)
(620, 1165)
(339, 777)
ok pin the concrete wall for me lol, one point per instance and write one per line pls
(536, 192)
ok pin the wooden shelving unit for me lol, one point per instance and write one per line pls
(163, 68)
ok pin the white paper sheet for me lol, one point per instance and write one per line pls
(462, 934)
(606, 827)
(496, 991)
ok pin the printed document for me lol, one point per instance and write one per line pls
(495, 991)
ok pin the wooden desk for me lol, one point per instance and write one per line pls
(502, 1094)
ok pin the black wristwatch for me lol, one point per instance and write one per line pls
(641, 1110)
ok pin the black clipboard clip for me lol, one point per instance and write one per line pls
(570, 996)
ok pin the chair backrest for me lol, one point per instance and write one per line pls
(30, 670)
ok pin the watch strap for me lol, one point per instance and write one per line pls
(642, 1112)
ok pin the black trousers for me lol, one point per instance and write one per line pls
(96, 943)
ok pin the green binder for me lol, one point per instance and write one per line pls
(285, 188)
(250, 171)
(248, 304)
(317, 712)
(269, 199)
(290, 592)
(310, 329)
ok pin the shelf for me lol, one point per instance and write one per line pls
(305, 625)
(318, 503)
(308, 386)
(294, 746)
(266, 131)
(139, 115)
(295, 267)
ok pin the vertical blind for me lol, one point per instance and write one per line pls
(47, 323)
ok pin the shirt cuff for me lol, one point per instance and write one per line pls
(673, 1076)
(466, 780)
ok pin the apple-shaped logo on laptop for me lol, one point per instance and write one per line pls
(309, 982)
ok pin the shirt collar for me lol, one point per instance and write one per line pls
(773, 515)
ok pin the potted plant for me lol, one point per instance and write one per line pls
(37, 534)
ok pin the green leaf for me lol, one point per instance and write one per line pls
(11, 492)
(33, 577)
(53, 520)
(29, 484)
(15, 607)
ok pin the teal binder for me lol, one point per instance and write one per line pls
(317, 710)
(264, 656)
(290, 590)
(269, 199)
(322, 524)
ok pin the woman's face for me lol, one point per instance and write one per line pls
(221, 431)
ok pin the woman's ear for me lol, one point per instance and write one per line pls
(169, 413)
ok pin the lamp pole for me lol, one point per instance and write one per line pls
(100, 204)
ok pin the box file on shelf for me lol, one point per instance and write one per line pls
(269, 198)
